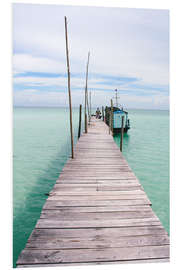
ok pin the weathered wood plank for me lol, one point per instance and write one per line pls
(100, 182)
(58, 214)
(107, 208)
(96, 233)
(53, 223)
(80, 255)
(59, 202)
(100, 193)
(95, 188)
(105, 178)
(96, 263)
(97, 184)
(59, 196)
(128, 241)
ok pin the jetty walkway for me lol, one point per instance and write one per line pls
(97, 212)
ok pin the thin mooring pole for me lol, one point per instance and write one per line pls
(69, 89)
(79, 130)
(103, 113)
(122, 133)
(109, 124)
(112, 116)
(86, 96)
(90, 106)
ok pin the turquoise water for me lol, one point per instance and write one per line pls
(42, 147)
(146, 148)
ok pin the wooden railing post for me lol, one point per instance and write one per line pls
(69, 88)
(122, 133)
(112, 116)
(79, 131)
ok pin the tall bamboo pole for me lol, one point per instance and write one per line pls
(86, 96)
(69, 88)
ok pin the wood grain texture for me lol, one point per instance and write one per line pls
(31, 256)
(97, 212)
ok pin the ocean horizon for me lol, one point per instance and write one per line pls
(76, 107)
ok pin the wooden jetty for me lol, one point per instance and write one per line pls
(97, 212)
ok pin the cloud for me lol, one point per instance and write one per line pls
(131, 43)
(25, 63)
(34, 97)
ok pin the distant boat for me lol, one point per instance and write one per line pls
(118, 112)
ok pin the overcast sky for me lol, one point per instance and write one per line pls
(129, 51)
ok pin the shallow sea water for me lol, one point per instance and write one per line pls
(42, 146)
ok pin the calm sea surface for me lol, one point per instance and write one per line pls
(42, 147)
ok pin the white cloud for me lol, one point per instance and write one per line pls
(27, 63)
(39, 98)
(33, 97)
(122, 42)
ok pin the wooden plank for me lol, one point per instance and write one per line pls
(97, 184)
(97, 209)
(97, 193)
(53, 223)
(58, 214)
(96, 181)
(96, 263)
(95, 188)
(95, 233)
(128, 241)
(80, 255)
(59, 202)
(108, 186)
(59, 196)
(96, 173)
(98, 178)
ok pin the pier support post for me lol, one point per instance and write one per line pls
(89, 107)
(122, 133)
(79, 130)
(112, 116)
(109, 125)
(103, 113)
(69, 88)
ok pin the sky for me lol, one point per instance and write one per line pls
(129, 51)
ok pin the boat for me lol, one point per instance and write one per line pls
(118, 112)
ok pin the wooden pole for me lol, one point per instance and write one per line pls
(102, 113)
(87, 99)
(85, 114)
(122, 133)
(109, 124)
(79, 131)
(86, 95)
(90, 106)
(112, 116)
(69, 89)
